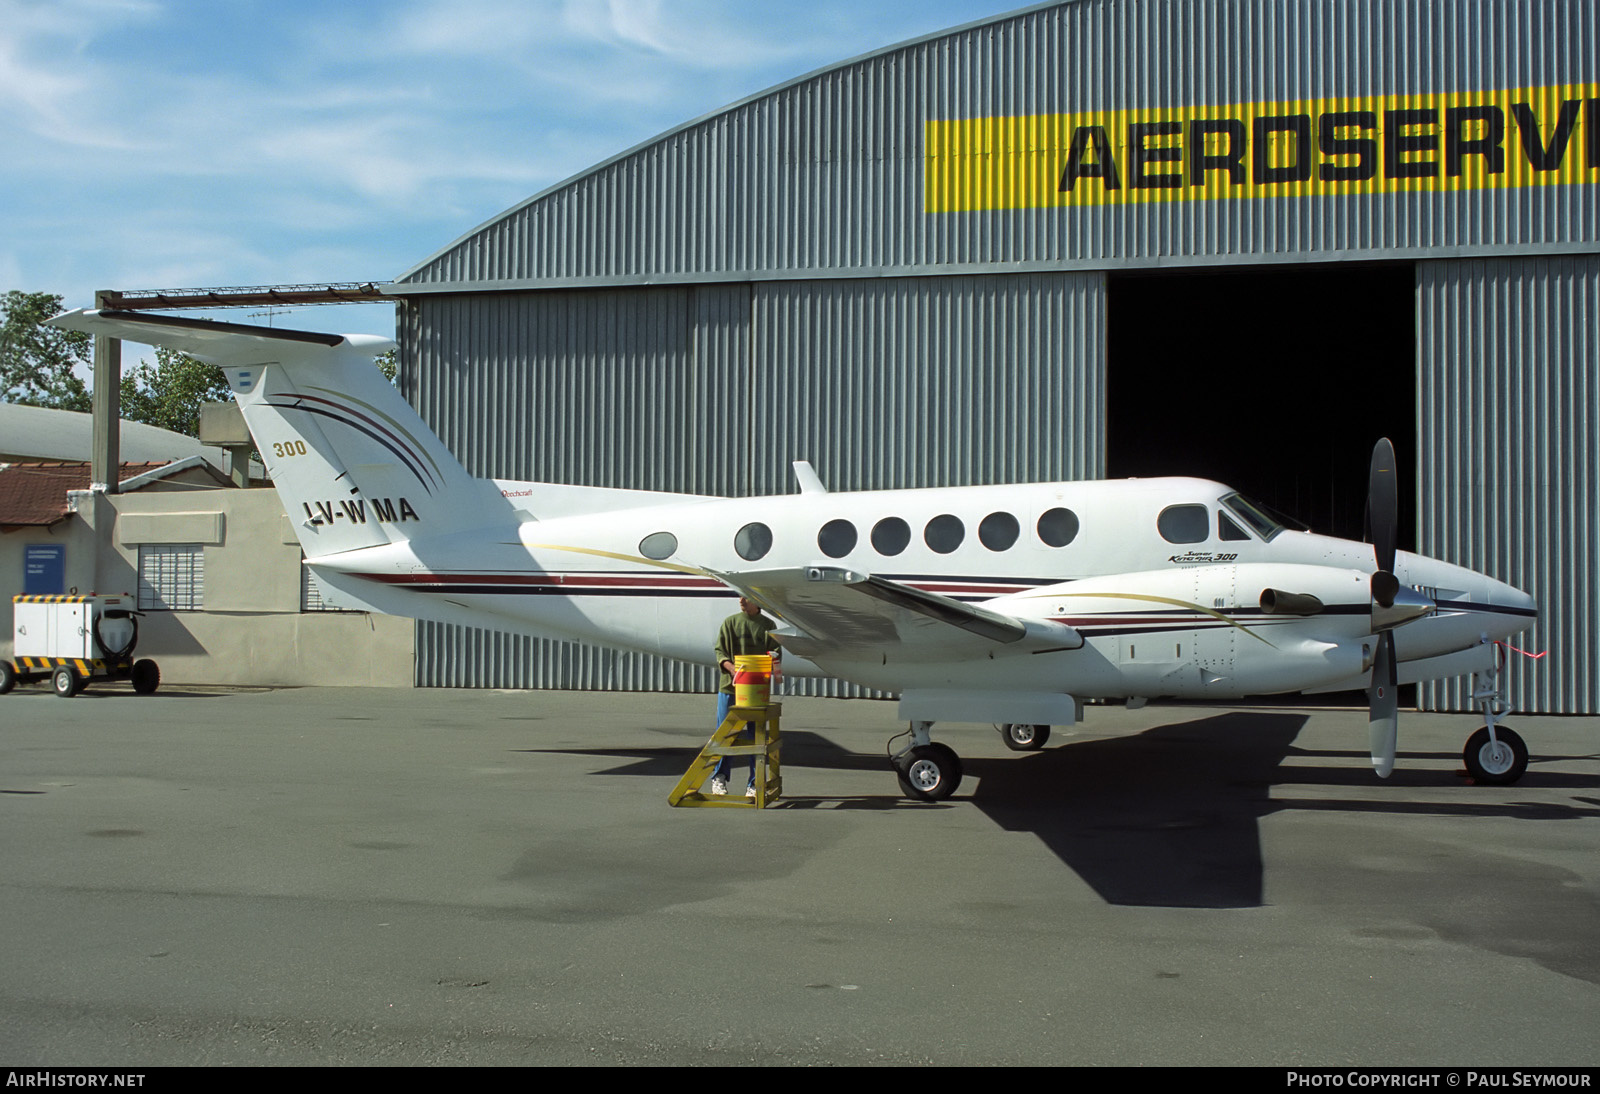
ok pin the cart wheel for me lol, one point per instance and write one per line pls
(8, 676)
(67, 682)
(146, 677)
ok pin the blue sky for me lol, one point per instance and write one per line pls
(177, 144)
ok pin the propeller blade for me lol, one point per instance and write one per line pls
(1383, 703)
(1383, 504)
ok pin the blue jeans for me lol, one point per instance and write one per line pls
(724, 702)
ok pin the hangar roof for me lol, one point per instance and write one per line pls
(1063, 136)
(42, 433)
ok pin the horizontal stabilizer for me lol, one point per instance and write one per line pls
(206, 340)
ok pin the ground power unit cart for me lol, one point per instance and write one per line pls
(74, 640)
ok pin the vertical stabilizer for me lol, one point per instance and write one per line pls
(354, 464)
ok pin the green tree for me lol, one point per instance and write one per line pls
(170, 392)
(38, 364)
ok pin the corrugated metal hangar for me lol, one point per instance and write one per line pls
(1100, 238)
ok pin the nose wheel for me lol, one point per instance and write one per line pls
(1498, 761)
(1495, 755)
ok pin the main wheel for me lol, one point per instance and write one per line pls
(1499, 766)
(929, 773)
(8, 676)
(1022, 737)
(66, 682)
(146, 676)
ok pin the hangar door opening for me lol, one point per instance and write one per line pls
(1276, 382)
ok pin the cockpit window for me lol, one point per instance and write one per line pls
(1184, 524)
(1227, 530)
(1259, 518)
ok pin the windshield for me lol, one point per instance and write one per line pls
(1265, 522)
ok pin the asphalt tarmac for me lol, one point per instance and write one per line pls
(307, 876)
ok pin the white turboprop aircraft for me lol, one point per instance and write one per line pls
(1003, 604)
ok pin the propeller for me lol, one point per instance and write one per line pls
(1383, 515)
(1383, 714)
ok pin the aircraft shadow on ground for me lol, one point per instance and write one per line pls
(1164, 818)
(1169, 817)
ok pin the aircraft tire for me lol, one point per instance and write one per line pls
(146, 676)
(8, 676)
(1022, 737)
(929, 773)
(66, 682)
(1485, 765)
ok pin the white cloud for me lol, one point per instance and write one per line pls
(50, 84)
(166, 145)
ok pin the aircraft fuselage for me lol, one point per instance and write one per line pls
(1181, 617)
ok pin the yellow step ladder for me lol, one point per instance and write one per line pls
(764, 723)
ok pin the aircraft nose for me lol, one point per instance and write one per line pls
(1519, 608)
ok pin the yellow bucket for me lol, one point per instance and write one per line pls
(752, 679)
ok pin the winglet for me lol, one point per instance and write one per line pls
(806, 476)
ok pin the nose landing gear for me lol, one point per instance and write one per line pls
(1495, 754)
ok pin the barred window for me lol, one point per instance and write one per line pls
(311, 592)
(172, 577)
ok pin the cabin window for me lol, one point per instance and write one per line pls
(944, 533)
(998, 531)
(1184, 524)
(1058, 527)
(890, 536)
(659, 545)
(837, 538)
(1227, 530)
(753, 541)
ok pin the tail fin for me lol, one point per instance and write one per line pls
(354, 464)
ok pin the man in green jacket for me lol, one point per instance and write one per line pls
(747, 631)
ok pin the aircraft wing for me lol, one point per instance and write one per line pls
(841, 612)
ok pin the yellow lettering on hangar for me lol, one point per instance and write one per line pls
(1544, 136)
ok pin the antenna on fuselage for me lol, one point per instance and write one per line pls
(806, 476)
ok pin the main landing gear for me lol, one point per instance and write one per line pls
(1022, 737)
(928, 771)
(1495, 754)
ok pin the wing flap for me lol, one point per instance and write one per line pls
(840, 612)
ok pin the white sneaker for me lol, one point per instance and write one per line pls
(750, 792)
(719, 787)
